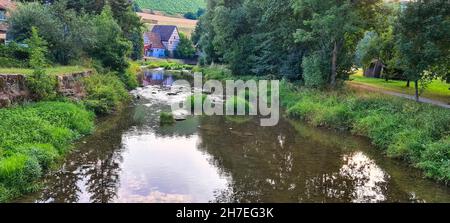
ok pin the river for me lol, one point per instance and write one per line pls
(131, 158)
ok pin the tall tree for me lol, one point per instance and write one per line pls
(332, 29)
(424, 41)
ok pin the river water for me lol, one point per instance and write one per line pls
(131, 158)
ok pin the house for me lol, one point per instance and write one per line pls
(5, 7)
(153, 46)
(161, 36)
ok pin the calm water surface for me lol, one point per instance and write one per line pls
(131, 158)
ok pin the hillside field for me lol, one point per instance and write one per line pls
(172, 6)
(186, 26)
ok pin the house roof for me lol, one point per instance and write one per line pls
(164, 31)
(155, 40)
(7, 4)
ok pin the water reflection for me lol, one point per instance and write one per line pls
(131, 158)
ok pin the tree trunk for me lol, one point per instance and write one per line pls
(334, 65)
(416, 86)
(408, 83)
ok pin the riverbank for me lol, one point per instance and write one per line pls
(34, 136)
(416, 133)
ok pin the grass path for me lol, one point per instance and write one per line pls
(365, 87)
(437, 90)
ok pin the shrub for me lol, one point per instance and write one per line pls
(42, 86)
(45, 154)
(106, 93)
(436, 160)
(166, 118)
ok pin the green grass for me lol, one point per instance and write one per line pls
(167, 64)
(50, 71)
(166, 118)
(417, 133)
(32, 138)
(172, 6)
(438, 90)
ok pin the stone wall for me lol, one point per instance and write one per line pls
(13, 87)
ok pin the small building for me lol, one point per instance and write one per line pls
(162, 38)
(375, 69)
(5, 7)
(153, 46)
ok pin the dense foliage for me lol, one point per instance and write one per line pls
(172, 6)
(273, 37)
(107, 31)
(185, 49)
(32, 138)
(317, 41)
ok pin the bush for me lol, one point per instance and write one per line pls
(106, 93)
(436, 160)
(45, 154)
(41, 85)
(313, 74)
(130, 76)
(166, 118)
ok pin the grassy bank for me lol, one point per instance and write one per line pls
(417, 133)
(34, 136)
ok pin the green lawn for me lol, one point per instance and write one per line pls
(51, 71)
(438, 90)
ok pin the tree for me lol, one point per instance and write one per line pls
(109, 46)
(332, 29)
(38, 50)
(423, 33)
(185, 49)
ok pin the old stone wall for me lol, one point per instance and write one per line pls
(13, 87)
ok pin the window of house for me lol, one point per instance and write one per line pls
(2, 15)
(170, 42)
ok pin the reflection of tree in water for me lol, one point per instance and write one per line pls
(278, 165)
(95, 164)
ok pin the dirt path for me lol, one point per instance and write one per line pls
(407, 96)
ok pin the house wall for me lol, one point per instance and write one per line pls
(172, 44)
(157, 53)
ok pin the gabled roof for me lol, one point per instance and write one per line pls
(154, 40)
(164, 31)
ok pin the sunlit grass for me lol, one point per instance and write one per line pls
(438, 89)
(60, 70)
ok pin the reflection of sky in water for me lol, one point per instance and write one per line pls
(369, 178)
(173, 171)
(360, 180)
